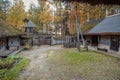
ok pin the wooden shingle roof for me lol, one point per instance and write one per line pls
(30, 24)
(110, 25)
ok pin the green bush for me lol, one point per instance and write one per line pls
(14, 72)
(11, 67)
(6, 63)
(1, 64)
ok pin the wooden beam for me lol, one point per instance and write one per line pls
(95, 2)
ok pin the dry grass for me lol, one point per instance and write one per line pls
(70, 64)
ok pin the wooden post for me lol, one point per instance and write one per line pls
(7, 41)
(77, 29)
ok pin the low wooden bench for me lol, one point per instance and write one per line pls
(6, 53)
(102, 49)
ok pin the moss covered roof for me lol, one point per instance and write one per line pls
(8, 30)
(89, 25)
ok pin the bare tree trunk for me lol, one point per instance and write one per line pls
(78, 30)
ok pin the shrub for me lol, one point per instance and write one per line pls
(14, 72)
(11, 67)
(27, 46)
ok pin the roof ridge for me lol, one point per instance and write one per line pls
(113, 15)
(30, 24)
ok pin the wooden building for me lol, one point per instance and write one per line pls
(70, 42)
(45, 39)
(28, 37)
(2, 44)
(2, 40)
(9, 37)
(29, 28)
(14, 42)
(106, 35)
(8, 42)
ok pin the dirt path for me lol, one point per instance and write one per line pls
(38, 68)
(49, 63)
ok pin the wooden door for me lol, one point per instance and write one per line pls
(114, 43)
(94, 40)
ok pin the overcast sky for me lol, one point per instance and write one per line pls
(28, 2)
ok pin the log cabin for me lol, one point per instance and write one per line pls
(14, 42)
(9, 37)
(106, 35)
(2, 44)
(2, 40)
(29, 30)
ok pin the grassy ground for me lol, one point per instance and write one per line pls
(85, 65)
(11, 67)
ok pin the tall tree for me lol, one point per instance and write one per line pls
(46, 16)
(4, 5)
(33, 14)
(16, 14)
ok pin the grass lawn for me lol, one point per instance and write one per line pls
(86, 65)
(11, 67)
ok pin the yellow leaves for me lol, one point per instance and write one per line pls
(45, 17)
(42, 3)
(82, 17)
(72, 29)
(72, 20)
(72, 23)
(57, 18)
(16, 15)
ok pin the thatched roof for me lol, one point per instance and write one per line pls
(94, 2)
(90, 24)
(110, 25)
(7, 30)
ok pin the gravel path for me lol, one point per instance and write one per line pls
(38, 68)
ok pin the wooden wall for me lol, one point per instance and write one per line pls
(104, 42)
(2, 44)
(45, 40)
(13, 42)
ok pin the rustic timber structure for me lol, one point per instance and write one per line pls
(28, 37)
(14, 42)
(2, 44)
(10, 39)
(29, 28)
(106, 35)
